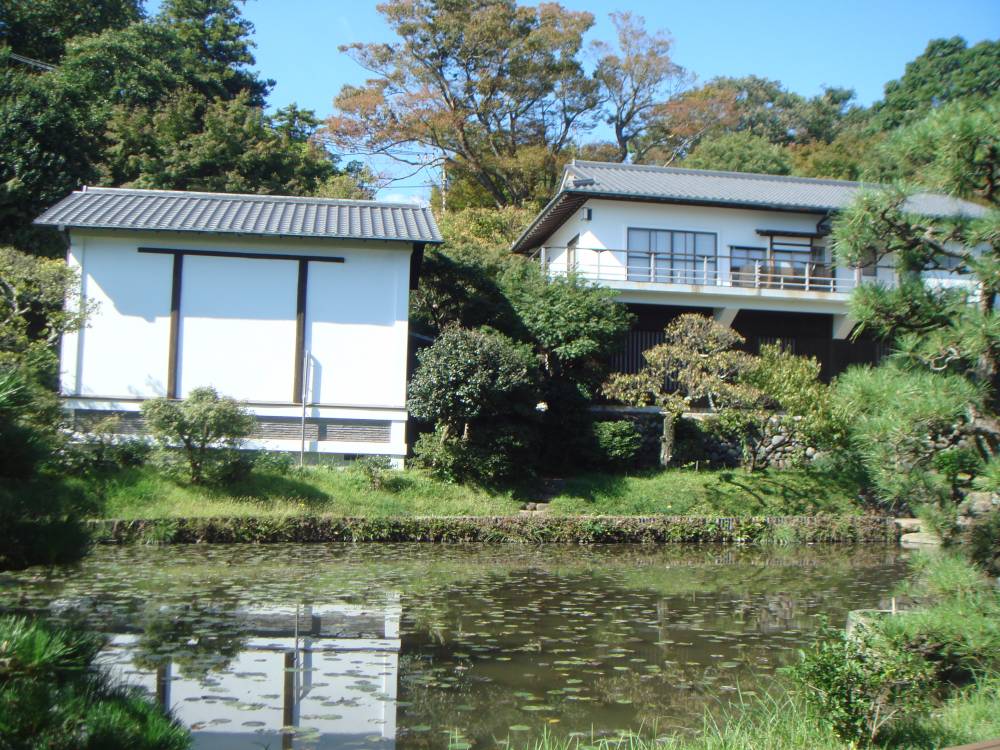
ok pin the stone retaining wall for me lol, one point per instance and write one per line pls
(514, 529)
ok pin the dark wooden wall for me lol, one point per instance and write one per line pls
(806, 334)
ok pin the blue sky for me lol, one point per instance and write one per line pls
(860, 44)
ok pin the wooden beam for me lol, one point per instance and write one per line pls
(300, 331)
(250, 256)
(175, 325)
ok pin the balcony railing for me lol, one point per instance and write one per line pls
(712, 271)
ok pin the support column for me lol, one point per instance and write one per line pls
(842, 326)
(725, 316)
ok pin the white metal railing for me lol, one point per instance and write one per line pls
(711, 271)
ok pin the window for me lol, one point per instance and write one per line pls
(671, 256)
(571, 253)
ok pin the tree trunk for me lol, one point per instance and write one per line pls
(667, 438)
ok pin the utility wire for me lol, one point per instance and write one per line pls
(32, 62)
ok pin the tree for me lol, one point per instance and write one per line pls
(785, 383)
(697, 362)
(948, 70)
(679, 124)
(47, 144)
(40, 29)
(477, 388)
(190, 143)
(636, 79)
(468, 376)
(574, 326)
(207, 427)
(492, 89)
(740, 152)
(217, 42)
(934, 407)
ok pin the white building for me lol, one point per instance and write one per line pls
(297, 306)
(749, 249)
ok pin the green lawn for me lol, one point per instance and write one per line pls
(142, 493)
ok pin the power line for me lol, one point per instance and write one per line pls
(32, 62)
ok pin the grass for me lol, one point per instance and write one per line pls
(144, 493)
(727, 493)
(770, 723)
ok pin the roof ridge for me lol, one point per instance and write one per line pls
(721, 173)
(252, 196)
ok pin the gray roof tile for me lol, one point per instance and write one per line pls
(226, 213)
(584, 179)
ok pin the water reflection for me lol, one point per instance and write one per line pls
(314, 676)
(341, 646)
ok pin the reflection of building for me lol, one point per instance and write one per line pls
(318, 676)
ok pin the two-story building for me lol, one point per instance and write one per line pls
(750, 249)
(296, 306)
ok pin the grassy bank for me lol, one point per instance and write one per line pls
(143, 493)
(972, 715)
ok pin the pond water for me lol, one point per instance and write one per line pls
(371, 646)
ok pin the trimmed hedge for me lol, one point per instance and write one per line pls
(516, 529)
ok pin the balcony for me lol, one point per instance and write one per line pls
(626, 269)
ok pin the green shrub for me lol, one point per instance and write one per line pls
(859, 686)
(616, 443)
(274, 462)
(51, 697)
(984, 543)
(375, 470)
(490, 457)
(207, 428)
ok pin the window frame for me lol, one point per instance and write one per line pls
(674, 262)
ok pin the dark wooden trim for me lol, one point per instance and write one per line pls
(251, 256)
(300, 331)
(416, 263)
(175, 325)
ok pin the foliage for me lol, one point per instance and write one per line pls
(859, 686)
(617, 442)
(208, 427)
(948, 70)
(897, 419)
(375, 470)
(494, 90)
(697, 362)
(574, 326)
(50, 696)
(792, 384)
(984, 543)
(467, 376)
(636, 80)
(188, 142)
(740, 152)
(511, 528)
(491, 456)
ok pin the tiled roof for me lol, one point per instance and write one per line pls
(225, 213)
(589, 179)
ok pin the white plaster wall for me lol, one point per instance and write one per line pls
(123, 350)
(237, 329)
(608, 231)
(356, 329)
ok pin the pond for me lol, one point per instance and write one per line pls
(371, 646)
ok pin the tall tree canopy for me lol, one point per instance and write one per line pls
(636, 79)
(491, 88)
(948, 70)
(168, 102)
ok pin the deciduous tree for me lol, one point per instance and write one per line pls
(491, 88)
(636, 78)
